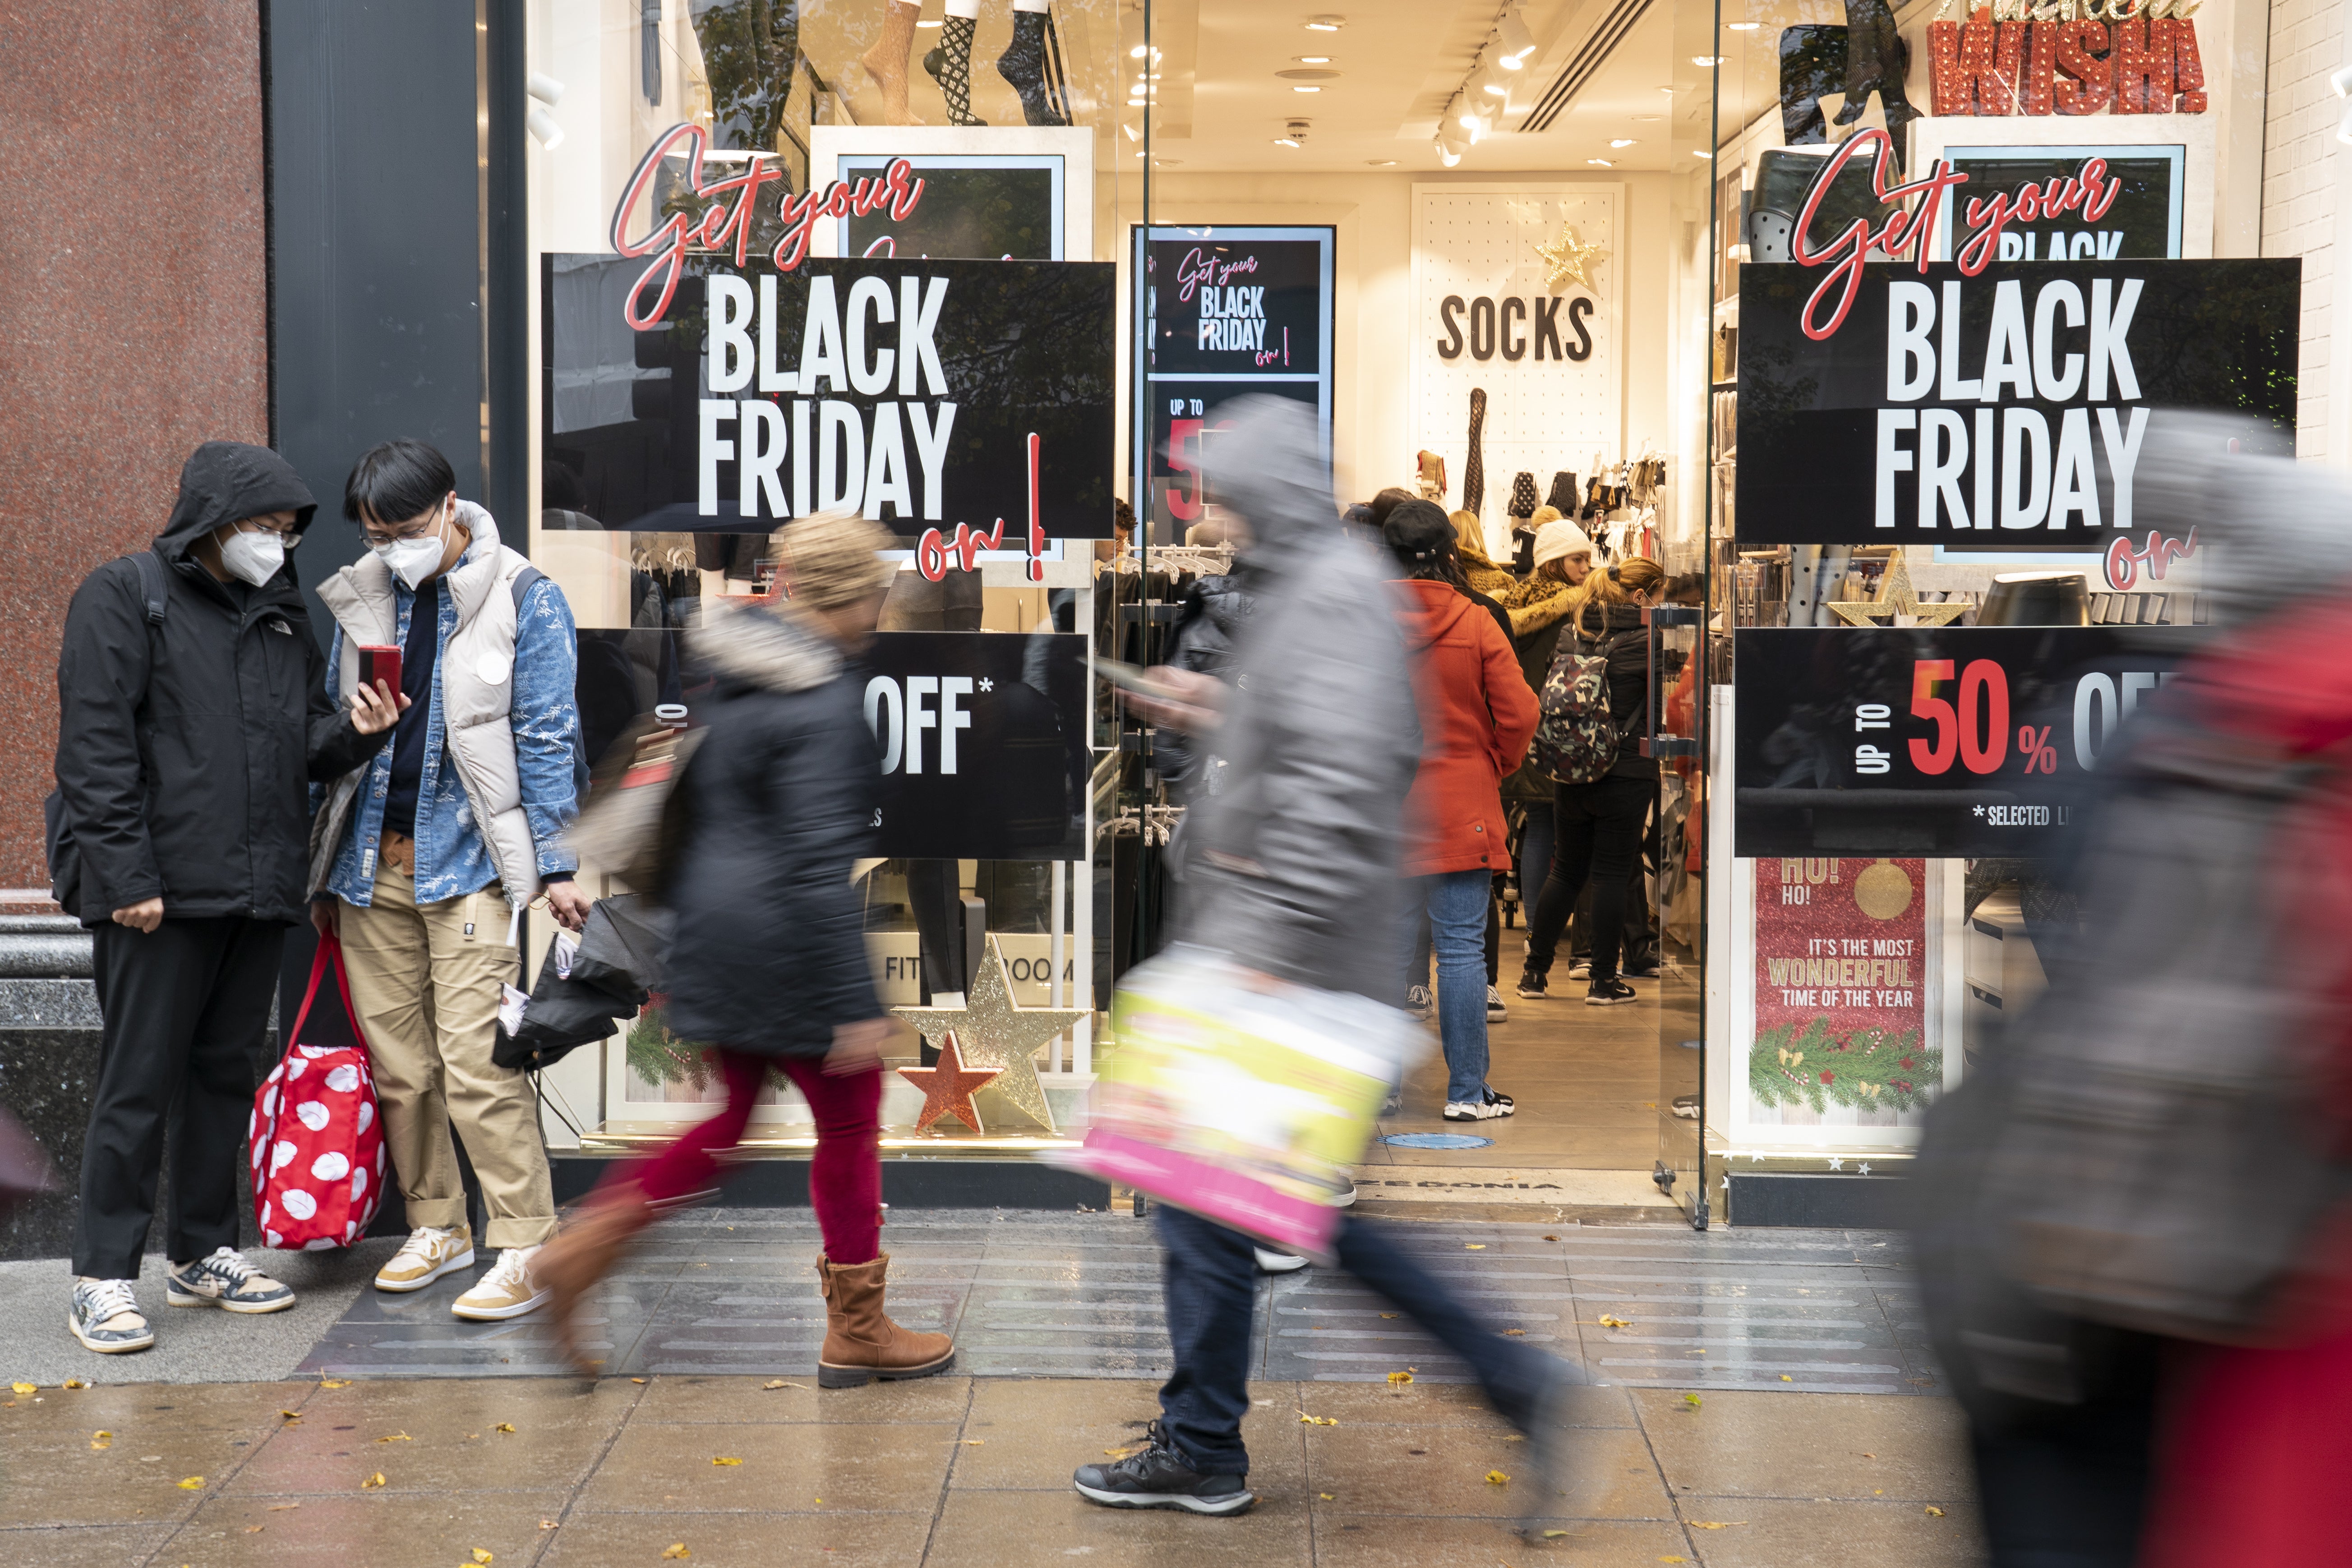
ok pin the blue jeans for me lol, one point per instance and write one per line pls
(1457, 903)
(1210, 1282)
(1535, 857)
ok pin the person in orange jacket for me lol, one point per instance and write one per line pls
(1476, 717)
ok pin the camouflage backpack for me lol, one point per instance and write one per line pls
(1576, 739)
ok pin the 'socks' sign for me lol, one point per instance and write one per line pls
(2007, 408)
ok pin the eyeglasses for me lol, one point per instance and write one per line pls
(416, 530)
(285, 531)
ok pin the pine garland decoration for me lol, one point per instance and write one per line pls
(658, 1057)
(1870, 1069)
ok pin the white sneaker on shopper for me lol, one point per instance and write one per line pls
(1485, 1109)
(1272, 1262)
(1580, 969)
(105, 1317)
(507, 1290)
(225, 1279)
(430, 1252)
(1495, 1012)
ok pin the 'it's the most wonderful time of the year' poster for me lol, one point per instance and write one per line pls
(1847, 995)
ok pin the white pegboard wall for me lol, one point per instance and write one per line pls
(1541, 415)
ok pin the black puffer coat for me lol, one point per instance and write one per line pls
(185, 752)
(769, 951)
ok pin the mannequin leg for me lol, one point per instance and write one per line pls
(886, 62)
(1022, 63)
(951, 63)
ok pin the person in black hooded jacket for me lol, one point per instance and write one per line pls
(180, 834)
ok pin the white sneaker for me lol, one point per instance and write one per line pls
(1580, 969)
(1495, 1012)
(1485, 1109)
(1272, 1262)
(430, 1252)
(105, 1317)
(507, 1290)
(225, 1279)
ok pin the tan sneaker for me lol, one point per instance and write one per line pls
(430, 1252)
(507, 1290)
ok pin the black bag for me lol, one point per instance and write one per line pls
(57, 840)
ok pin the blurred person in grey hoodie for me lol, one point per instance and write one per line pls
(1293, 870)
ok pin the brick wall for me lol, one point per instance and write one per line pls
(2300, 161)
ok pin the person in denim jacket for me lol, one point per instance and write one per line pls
(424, 859)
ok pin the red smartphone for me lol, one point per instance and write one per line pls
(380, 663)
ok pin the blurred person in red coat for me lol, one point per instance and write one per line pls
(1476, 717)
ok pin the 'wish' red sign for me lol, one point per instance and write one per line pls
(2142, 64)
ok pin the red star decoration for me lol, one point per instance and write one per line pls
(947, 1088)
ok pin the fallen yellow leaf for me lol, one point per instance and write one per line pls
(974, 1442)
(1934, 1511)
(725, 1461)
(1608, 1322)
(1714, 1524)
(551, 1525)
(1551, 1238)
(253, 1530)
(336, 1382)
(1878, 1491)
(1495, 1478)
(23, 1388)
(1786, 1378)
(1390, 1315)
(1870, 1456)
(281, 1507)
(1123, 1453)
(1515, 1334)
(290, 1415)
(372, 1483)
(193, 1484)
(1674, 1558)
(1399, 1377)
(1318, 1420)
(397, 1438)
(676, 1552)
(101, 1439)
(1474, 1247)
(481, 1555)
(1691, 1400)
(1554, 1534)
(1326, 1497)
(73, 1383)
(636, 1380)
(507, 1427)
(779, 1382)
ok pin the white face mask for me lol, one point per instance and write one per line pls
(413, 560)
(253, 558)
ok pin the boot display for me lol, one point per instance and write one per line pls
(886, 62)
(861, 1343)
(1022, 63)
(950, 64)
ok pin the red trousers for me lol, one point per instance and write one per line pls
(845, 1177)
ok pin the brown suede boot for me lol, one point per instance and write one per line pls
(861, 1343)
(583, 1253)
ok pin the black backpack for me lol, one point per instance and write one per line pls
(65, 861)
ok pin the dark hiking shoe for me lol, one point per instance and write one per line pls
(1532, 984)
(1610, 993)
(1158, 1477)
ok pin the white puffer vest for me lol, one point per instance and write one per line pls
(476, 672)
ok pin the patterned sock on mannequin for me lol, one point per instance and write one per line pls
(951, 63)
(1022, 63)
(1563, 493)
(1474, 467)
(1523, 496)
(886, 62)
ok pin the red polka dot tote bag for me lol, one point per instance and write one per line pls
(317, 1141)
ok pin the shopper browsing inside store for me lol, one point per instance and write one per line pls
(1477, 715)
(1598, 824)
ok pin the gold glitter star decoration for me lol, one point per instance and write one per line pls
(1898, 603)
(1570, 260)
(994, 1031)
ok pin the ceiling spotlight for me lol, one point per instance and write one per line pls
(1741, 27)
(545, 89)
(1137, 52)
(1453, 140)
(1603, 162)
(542, 127)
(1306, 89)
(1703, 153)
(1326, 24)
(1516, 41)
(1707, 61)
(1380, 163)
(927, 24)
(1286, 142)
(1168, 163)
(1312, 59)
(1490, 80)
(1621, 142)
(1446, 155)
